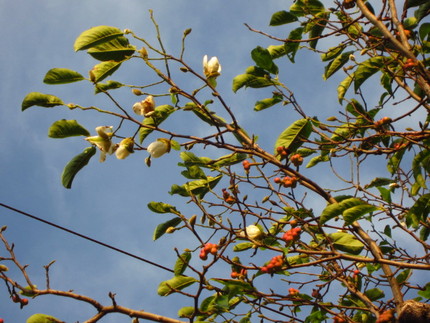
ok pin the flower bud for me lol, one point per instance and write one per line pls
(252, 232)
(159, 148)
(211, 68)
(146, 107)
(125, 148)
(137, 92)
(103, 141)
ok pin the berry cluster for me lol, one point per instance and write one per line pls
(292, 234)
(246, 165)
(287, 181)
(282, 152)
(296, 160)
(238, 274)
(274, 265)
(227, 196)
(385, 317)
(383, 121)
(17, 299)
(209, 248)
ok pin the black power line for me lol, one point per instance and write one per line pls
(84, 237)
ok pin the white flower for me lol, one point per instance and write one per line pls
(125, 148)
(103, 141)
(145, 107)
(253, 232)
(211, 68)
(159, 148)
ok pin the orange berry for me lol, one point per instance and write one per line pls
(293, 291)
(234, 274)
(230, 200)
(296, 159)
(277, 180)
(24, 301)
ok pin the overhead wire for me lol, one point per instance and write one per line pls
(84, 237)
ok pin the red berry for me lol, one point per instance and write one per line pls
(24, 301)
(1, 321)
(15, 298)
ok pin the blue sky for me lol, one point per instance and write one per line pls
(108, 201)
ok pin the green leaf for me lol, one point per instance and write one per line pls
(250, 80)
(43, 318)
(109, 85)
(62, 76)
(355, 108)
(40, 99)
(367, 68)
(75, 165)
(426, 292)
(282, 17)
(424, 31)
(356, 212)
(267, 103)
(374, 294)
(238, 285)
(117, 49)
(160, 114)
(263, 59)
(332, 53)
(198, 188)
(182, 263)
(194, 172)
(103, 70)
(160, 207)
(385, 194)
(403, 276)
(227, 160)
(394, 161)
(378, 181)
(292, 43)
(422, 159)
(419, 211)
(317, 159)
(96, 36)
(316, 27)
(243, 246)
(276, 51)
(186, 311)
(336, 64)
(205, 114)
(28, 291)
(336, 209)
(292, 137)
(343, 87)
(176, 283)
(67, 128)
(190, 159)
(420, 13)
(306, 7)
(415, 3)
(346, 242)
(160, 230)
